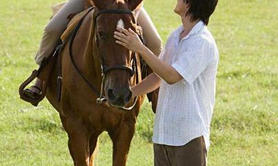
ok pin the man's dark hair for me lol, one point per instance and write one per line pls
(201, 9)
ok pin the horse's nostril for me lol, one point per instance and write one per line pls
(119, 97)
(128, 96)
(111, 95)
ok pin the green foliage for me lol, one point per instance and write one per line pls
(245, 123)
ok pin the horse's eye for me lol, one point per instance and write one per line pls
(101, 35)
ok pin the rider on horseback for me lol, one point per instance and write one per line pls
(58, 24)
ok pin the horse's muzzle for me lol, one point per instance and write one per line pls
(119, 97)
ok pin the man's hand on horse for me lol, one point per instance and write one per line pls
(129, 39)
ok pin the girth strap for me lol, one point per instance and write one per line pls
(58, 50)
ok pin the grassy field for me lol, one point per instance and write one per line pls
(245, 124)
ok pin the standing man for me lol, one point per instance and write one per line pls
(186, 74)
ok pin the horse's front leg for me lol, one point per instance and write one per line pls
(121, 142)
(78, 142)
(93, 147)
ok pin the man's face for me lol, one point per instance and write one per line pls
(181, 8)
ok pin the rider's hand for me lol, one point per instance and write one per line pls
(129, 39)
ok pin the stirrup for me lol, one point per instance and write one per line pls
(24, 92)
(33, 94)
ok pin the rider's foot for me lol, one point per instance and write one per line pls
(34, 91)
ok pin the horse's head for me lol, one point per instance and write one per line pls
(117, 61)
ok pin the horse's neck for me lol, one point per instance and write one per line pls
(86, 53)
(92, 65)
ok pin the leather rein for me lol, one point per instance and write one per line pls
(105, 69)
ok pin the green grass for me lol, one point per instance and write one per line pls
(245, 124)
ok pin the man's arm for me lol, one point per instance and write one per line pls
(161, 68)
(149, 84)
(130, 40)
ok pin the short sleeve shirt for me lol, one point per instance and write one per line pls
(184, 109)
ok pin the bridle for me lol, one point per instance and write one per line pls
(106, 69)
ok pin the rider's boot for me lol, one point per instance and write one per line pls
(35, 91)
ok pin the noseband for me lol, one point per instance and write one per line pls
(106, 69)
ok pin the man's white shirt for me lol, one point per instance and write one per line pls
(184, 109)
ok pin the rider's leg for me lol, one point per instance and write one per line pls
(153, 42)
(56, 27)
(151, 36)
(52, 33)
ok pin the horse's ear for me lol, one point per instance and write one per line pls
(133, 4)
(100, 4)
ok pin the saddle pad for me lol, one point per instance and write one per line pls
(72, 24)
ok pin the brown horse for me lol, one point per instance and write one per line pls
(92, 64)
